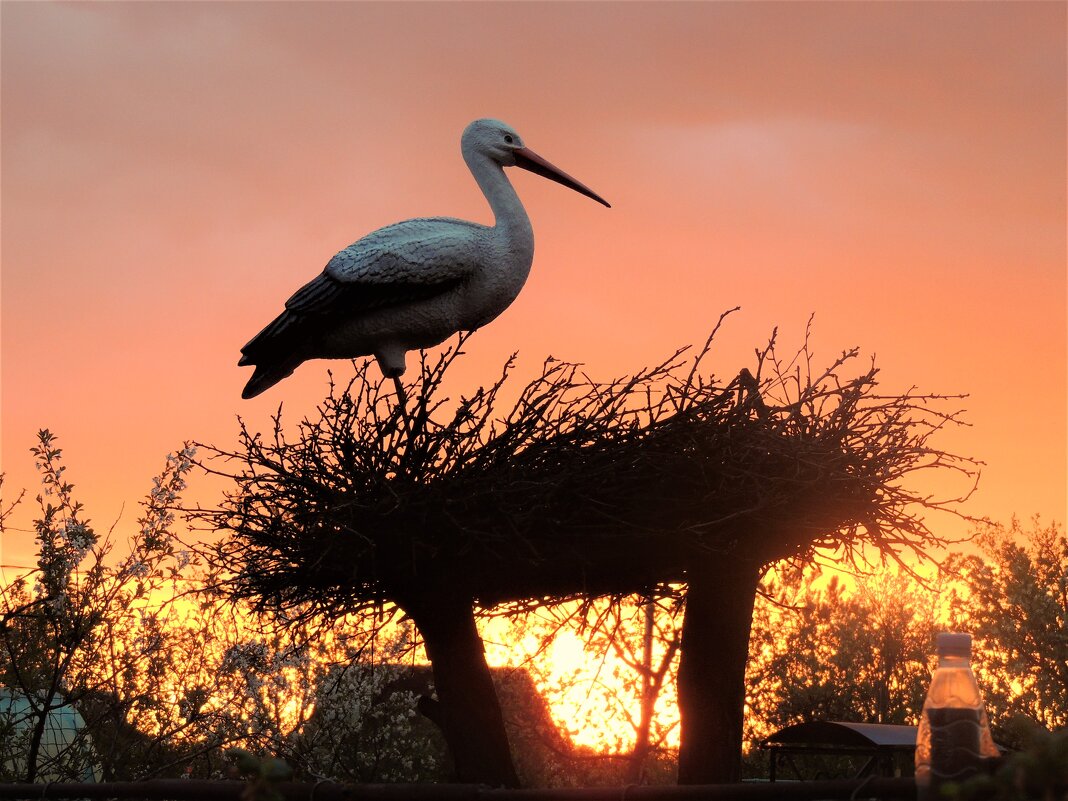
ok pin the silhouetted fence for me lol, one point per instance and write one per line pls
(202, 790)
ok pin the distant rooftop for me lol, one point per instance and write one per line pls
(886, 749)
(819, 733)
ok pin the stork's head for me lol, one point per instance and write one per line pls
(492, 138)
(502, 144)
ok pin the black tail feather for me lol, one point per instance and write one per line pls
(272, 351)
(266, 376)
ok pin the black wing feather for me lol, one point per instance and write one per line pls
(325, 298)
(327, 295)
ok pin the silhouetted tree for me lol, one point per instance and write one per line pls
(58, 641)
(834, 653)
(111, 632)
(1015, 604)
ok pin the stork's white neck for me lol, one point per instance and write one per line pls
(509, 217)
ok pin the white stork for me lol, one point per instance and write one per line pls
(415, 283)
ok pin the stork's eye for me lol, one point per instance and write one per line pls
(508, 138)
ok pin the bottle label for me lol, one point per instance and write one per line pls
(955, 753)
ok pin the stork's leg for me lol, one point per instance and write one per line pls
(390, 357)
(402, 401)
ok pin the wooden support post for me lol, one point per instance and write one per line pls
(467, 710)
(715, 651)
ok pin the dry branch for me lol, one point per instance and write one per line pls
(581, 488)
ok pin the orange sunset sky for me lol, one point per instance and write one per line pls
(171, 172)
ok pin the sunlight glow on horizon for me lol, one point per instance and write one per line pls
(576, 684)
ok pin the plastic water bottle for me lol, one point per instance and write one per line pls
(954, 735)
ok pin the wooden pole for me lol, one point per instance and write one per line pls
(715, 651)
(467, 710)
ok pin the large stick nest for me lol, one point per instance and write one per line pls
(581, 488)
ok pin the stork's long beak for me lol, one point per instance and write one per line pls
(529, 160)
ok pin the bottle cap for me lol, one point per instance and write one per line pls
(954, 644)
